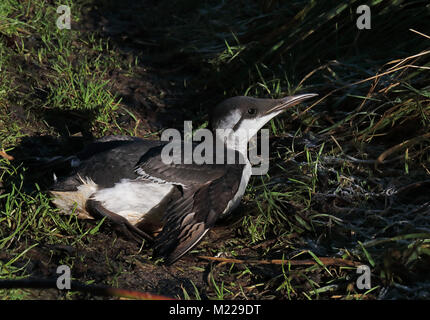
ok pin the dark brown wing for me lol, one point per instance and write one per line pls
(151, 164)
(106, 162)
(207, 190)
(189, 218)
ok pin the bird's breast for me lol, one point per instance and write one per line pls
(233, 203)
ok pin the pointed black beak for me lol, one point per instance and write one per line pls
(290, 101)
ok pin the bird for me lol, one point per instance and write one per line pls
(171, 205)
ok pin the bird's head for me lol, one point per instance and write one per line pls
(238, 119)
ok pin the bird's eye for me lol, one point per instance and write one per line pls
(252, 111)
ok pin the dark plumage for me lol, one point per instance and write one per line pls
(125, 179)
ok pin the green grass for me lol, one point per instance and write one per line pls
(344, 172)
(50, 70)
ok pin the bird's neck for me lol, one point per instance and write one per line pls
(233, 140)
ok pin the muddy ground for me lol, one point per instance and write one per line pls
(157, 96)
(169, 85)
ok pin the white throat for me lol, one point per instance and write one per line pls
(238, 139)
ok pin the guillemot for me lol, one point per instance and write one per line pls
(126, 179)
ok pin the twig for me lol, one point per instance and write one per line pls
(305, 262)
(76, 286)
(3, 154)
(399, 146)
(420, 33)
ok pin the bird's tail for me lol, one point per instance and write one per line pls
(45, 170)
(49, 163)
